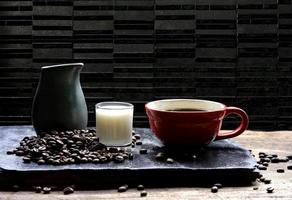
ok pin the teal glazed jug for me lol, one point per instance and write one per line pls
(59, 103)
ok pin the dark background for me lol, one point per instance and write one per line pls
(238, 52)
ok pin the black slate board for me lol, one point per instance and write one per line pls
(223, 161)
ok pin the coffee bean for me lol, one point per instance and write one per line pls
(261, 167)
(139, 142)
(266, 164)
(262, 179)
(275, 160)
(265, 160)
(269, 157)
(214, 189)
(143, 151)
(10, 152)
(123, 188)
(46, 190)
(283, 160)
(119, 159)
(160, 157)
(41, 162)
(255, 188)
(280, 170)
(218, 185)
(19, 153)
(68, 190)
(38, 189)
(289, 157)
(274, 155)
(267, 181)
(143, 193)
(270, 190)
(140, 187)
(26, 160)
(137, 136)
(289, 167)
(169, 161)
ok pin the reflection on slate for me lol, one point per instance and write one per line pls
(222, 161)
(238, 52)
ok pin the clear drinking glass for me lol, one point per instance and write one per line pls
(114, 123)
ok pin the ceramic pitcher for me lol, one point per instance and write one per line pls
(59, 103)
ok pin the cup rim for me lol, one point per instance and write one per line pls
(187, 112)
(125, 104)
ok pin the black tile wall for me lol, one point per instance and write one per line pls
(238, 52)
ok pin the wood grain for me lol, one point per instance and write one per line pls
(278, 142)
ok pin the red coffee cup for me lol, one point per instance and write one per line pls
(191, 121)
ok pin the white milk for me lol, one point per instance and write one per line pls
(114, 125)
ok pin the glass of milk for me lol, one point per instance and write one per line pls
(114, 123)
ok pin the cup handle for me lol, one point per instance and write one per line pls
(240, 129)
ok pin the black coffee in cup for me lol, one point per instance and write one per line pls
(186, 110)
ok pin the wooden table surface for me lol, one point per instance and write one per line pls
(279, 142)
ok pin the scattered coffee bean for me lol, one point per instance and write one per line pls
(261, 167)
(283, 160)
(269, 157)
(137, 136)
(46, 190)
(270, 190)
(262, 179)
(143, 151)
(214, 189)
(123, 188)
(267, 181)
(255, 188)
(138, 142)
(38, 189)
(280, 170)
(275, 155)
(68, 190)
(143, 193)
(160, 156)
(265, 160)
(218, 185)
(169, 161)
(266, 164)
(275, 160)
(140, 187)
(289, 167)
(289, 157)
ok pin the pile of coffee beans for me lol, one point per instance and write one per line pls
(69, 147)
